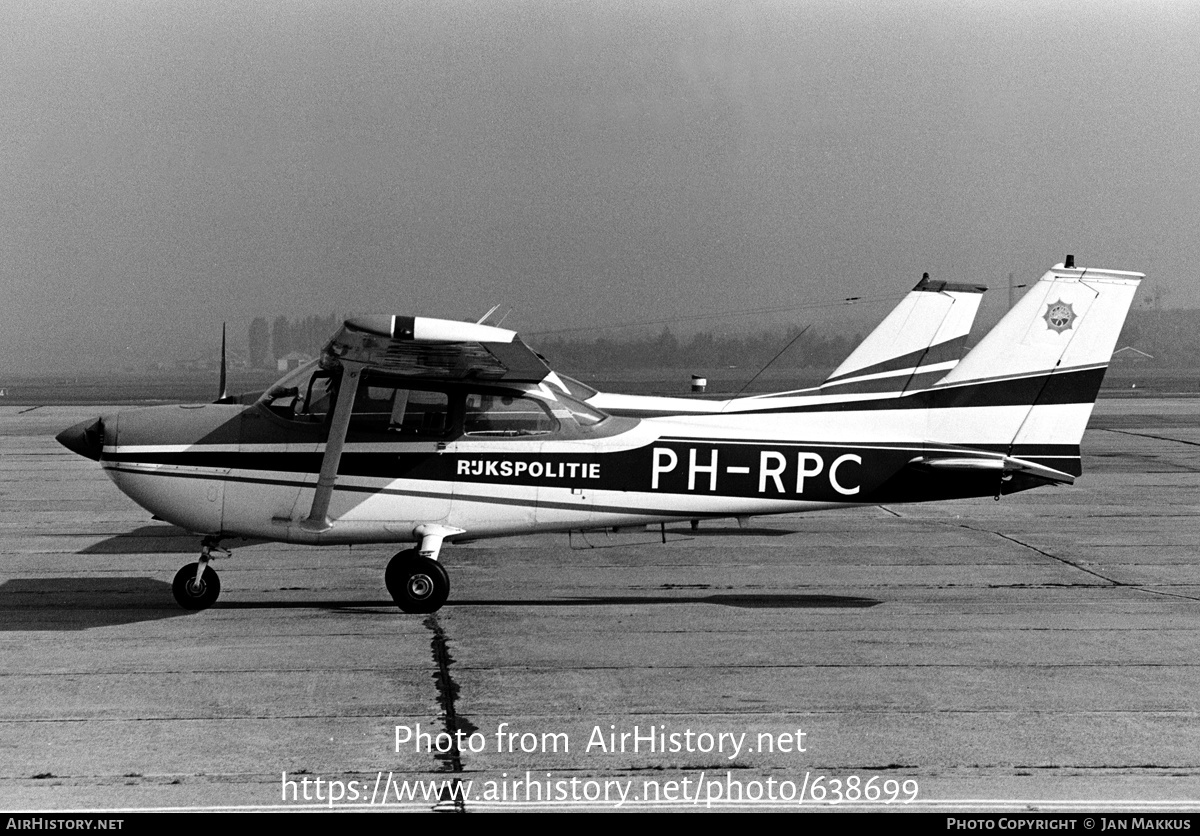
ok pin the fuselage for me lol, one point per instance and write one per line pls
(538, 461)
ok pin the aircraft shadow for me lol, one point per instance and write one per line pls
(603, 539)
(149, 539)
(767, 602)
(763, 602)
(81, 603)
(45, 604)
(161, 538)
(728, 530)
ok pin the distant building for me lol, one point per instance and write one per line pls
(1129, 354)
(292, 360)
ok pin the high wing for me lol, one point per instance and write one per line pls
(441, 349)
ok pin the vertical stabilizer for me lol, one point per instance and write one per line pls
(1029, 386)
(1070, 319)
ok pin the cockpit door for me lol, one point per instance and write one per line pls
(277, 459)
(392, 469)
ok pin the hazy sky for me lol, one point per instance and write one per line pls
(168, 165)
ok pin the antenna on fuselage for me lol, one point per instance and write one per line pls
(224, 391)
(791, 342)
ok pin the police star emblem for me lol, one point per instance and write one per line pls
(1060, 316)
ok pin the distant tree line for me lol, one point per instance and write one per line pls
(810, 349)
(267, 343)
(1172, 336)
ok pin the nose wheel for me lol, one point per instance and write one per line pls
(192, 594)
(417, 584)
(196, 586)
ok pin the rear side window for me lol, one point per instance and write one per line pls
(506, 415)
(583, 414)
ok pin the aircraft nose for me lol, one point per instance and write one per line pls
(85, 438)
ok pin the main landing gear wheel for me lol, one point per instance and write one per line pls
(417, 584)
(192, 595)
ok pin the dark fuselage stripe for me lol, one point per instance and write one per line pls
(402, 464)
(487, 500)
(1068, 386)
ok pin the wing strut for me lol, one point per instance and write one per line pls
(318, 517)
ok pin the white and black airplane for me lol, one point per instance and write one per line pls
(425, 431)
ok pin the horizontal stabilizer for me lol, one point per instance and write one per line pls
(1004, 464)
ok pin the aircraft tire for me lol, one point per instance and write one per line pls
(188, 596)
(417, 584)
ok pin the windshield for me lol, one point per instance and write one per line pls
(303, 394)
(287, 385)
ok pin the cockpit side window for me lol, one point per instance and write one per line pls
(384, 405)
(383, 408)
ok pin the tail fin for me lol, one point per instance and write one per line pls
(1028, 388)
(915, 345)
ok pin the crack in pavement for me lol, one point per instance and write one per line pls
(1156, 437)
(1044, 553)
(1066, 562)
(1110, 581)
(447, 690)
